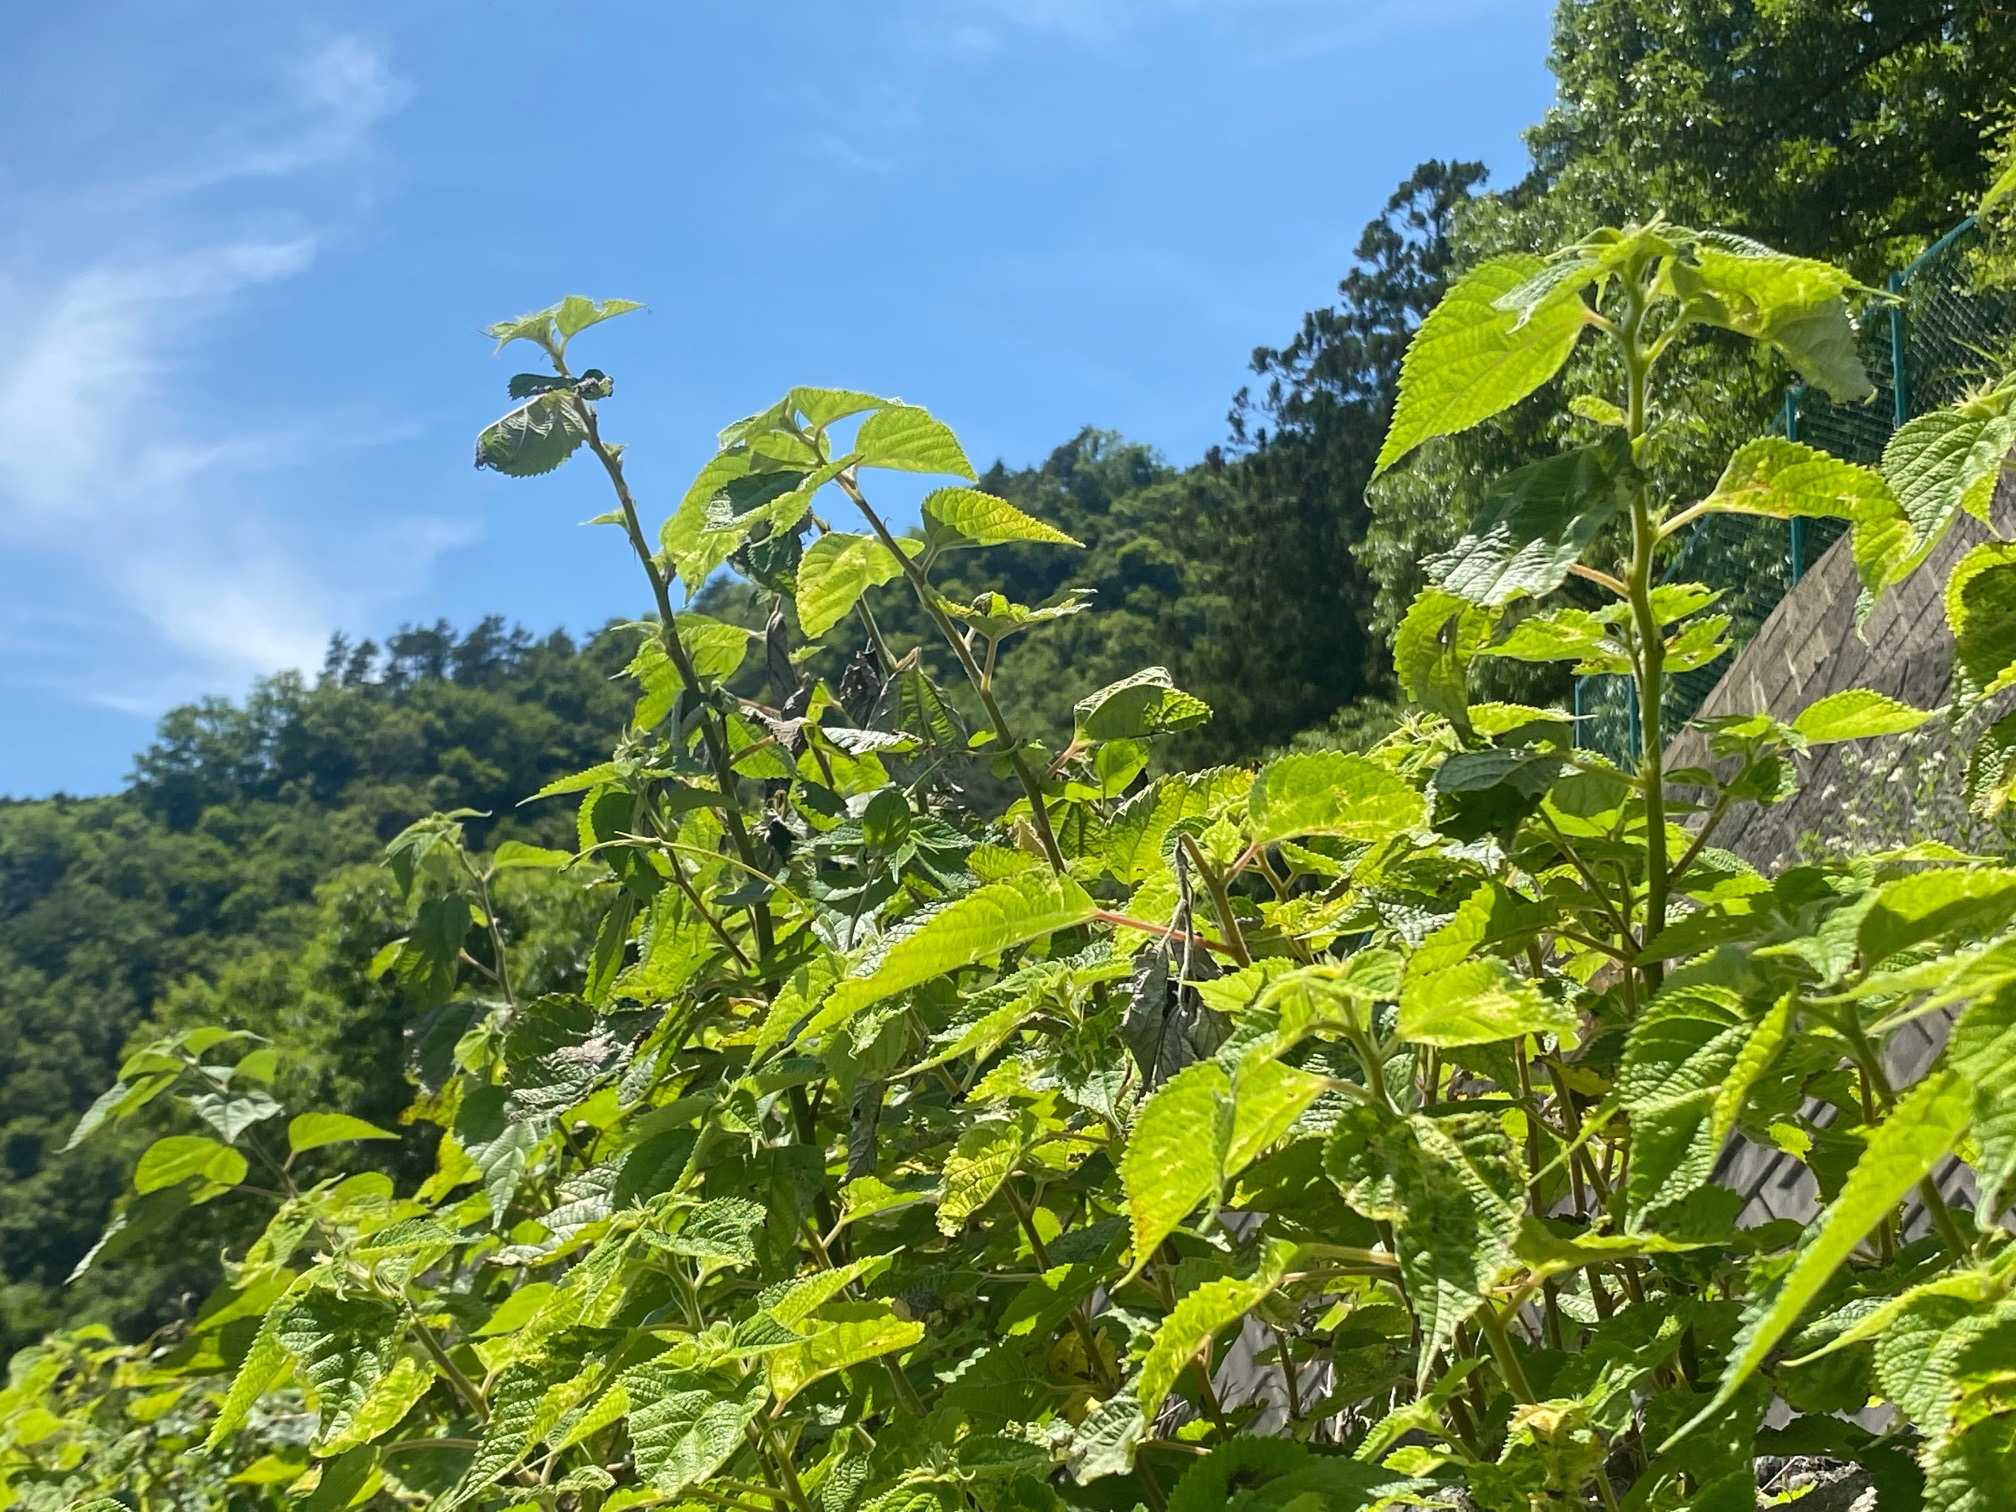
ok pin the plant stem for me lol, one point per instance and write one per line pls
(1039, 814)
(1502, 1350)
(1652, 643)
(1221, 902)
(711, 733)
(464, 1387)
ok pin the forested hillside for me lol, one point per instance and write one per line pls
(235, 880)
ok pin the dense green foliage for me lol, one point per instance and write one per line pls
(612, 1055)
(236, 878)
(891, 1149)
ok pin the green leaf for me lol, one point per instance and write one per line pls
(1202, 1128)
(1438, 638)
(516, 855)
(997, 617)
(1983, 1051)
(1332, 793)
(1920, 1131)
(1454, 1191)
(232, 1113)
(837, 569)
(178, 1157)
(1471, 358)
(1200, 1316)
(266, 1362)
(718, 1233)
(1792, 303)
(574, 314)
(982, 1159)
(908, 439)
(1690, 1061)
(1911, 910)
(837, 1347)
(1785, 480)
(1534, 524)
(532, 439)
(1478, 1002)
(498, 1144)
(1945, 463)
(345, 1346)
(820, 407)
(514, 1411)
(1981, 611)
(976, 927)
(1856, 714)
(1991, 771)
(1105, 1439)
(683, 1428)
(311, 1131)
(955, 517)
(2003, 188)
(1280, 1475)
(1137, 707)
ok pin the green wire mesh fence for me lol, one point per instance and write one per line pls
(1941, 335)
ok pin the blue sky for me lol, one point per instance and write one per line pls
(246, 252)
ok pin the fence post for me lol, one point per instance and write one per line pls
(1798, 530)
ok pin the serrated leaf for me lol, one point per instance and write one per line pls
(575, 314)
(1943, 464)
(1982, 1050)
(1437, 639)
(837, 1347)
(345, 1346)
(976, 927)
(1792, 303)
(1911, 910)
(266, 1362)
(1991, 769)
(232, 1113)
(718, 1233)
(909, 439)
(1453, 1188)
(1856, 714)
(1689, 1063)
(1280, 1475)
(311, 1131)
(383, 1408)
(1332, 793)
(516, 855)
(1785, 480)
(1478, 1002)
(498, 1144)
(820, 407)
(514, 1410)
(1137, 708)
(1199, 1316)
(982, 1158)
(715, 647)
(1105, 1439)
(1920, 1131)
(177, 1158)
(837, 569)
(1534, 525)
(1981, 612)
(956, 517)
(532, 439)
(683, 1426)
(1471, 358)
(1202, 1128)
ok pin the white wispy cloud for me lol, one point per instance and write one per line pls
(121, 480)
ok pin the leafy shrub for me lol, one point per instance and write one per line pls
(1334, 1134)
